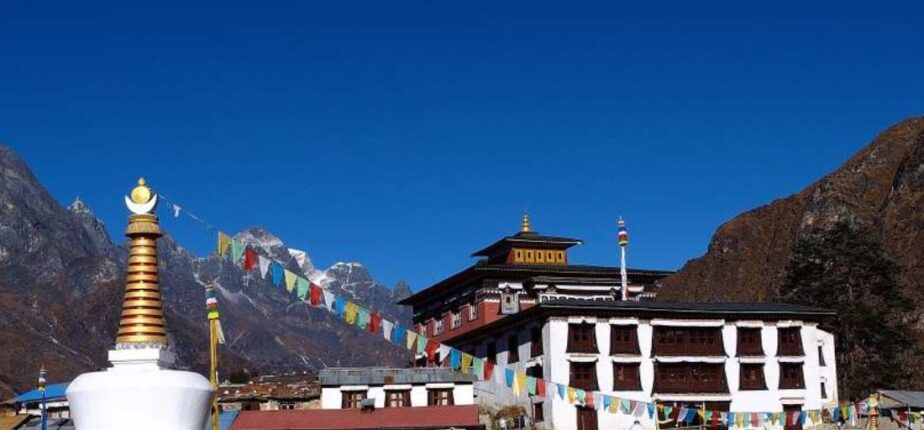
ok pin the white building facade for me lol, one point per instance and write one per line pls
(721, 357)
(348, 388)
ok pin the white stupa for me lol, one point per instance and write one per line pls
(140, 391)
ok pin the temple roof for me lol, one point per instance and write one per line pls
(539, 272)
(527, 240)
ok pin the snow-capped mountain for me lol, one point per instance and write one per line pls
(62, 280)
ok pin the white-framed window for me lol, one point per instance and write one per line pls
(456, 319)
(472, 312)
(509, 303)
(438, 327)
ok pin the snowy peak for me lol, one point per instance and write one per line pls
(92, 225)
(79, 207)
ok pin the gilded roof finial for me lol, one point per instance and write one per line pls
(524, 225)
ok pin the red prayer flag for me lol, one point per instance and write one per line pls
(589, 399)
(488, 370)
(431, 348)
(315, 295)
(374, 322)
(540, 387)
(250, 259)
(755, 419)
(715, 419)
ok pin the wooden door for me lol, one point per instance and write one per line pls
(586, 418)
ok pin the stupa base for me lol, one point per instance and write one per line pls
(137, 392)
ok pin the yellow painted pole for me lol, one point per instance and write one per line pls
(213, 372)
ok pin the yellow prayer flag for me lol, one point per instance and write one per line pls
(466, 362)
(351, 310)
(739, 419)
(572, 396)
(614, 405)
(290, 280)
(411, 340)
(520, 383)
(224, 242)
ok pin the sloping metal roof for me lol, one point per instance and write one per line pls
(225, 420)
(899, 398)
(382, 376)
(53, 391)
(53, 424)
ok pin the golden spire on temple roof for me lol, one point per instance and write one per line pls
(524, 224)
(142, 319)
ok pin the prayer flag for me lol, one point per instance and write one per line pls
(362, 318)
(315, 296)
(455, 359)
(488, 370)
(421, 344)
(531, 385)
(237, 250)
(250, 259)
(277, 274)
(540, 387)
(607, 401)
(411, 339)
(508, 373)
(624, 406)
(572, 395)
(340, 307)
(466, 362)
(387, 327)
(431, 349)
(290, 281)
(375, 320)
(561, 391)
(478, 365)
(302, 288)
(350, 313)
(399, 335)
(224, 242)
(264, 264)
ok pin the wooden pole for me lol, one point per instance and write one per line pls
(213, 372)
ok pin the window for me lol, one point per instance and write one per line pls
(752, 377)
(438, 327)
(749, 342)
(397, 398)
(824, 392)
(540, 257)
(535, 371)
(581, 338)
(456, 319)
(623, 339)
(703, 341)
(626, 377)
(439, 397)
(509, 303)
(790, 341)
(472, 312)
(492, 352)
(286, 406)
(513, 353)
(422, 329)
(690, 378)
(584, 376)
(353, 399)
(821, 356)
(791, 376)
(561, 256)
(535, 342)
(538, 414)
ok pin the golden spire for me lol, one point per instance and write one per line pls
(142, 319)
(524, 225)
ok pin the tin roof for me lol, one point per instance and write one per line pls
(431, 417)
(893, 398)
(383, 375)
(53, 391)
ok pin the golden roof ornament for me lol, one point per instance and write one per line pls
(142, 323)
(524, 224)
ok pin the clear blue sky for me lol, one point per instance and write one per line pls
(407, 135)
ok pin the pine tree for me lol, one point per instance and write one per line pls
(845, 269)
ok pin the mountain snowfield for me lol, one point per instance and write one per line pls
(62, 279)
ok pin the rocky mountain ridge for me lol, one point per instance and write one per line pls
(881, 188)
(61, 281)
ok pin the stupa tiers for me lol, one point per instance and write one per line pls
(140, 391)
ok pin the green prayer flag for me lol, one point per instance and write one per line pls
(237, 250)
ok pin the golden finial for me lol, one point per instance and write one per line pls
(524, 225)
(141, 193)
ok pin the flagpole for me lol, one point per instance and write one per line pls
(41, 387)
(623, 242)
(212, 307)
